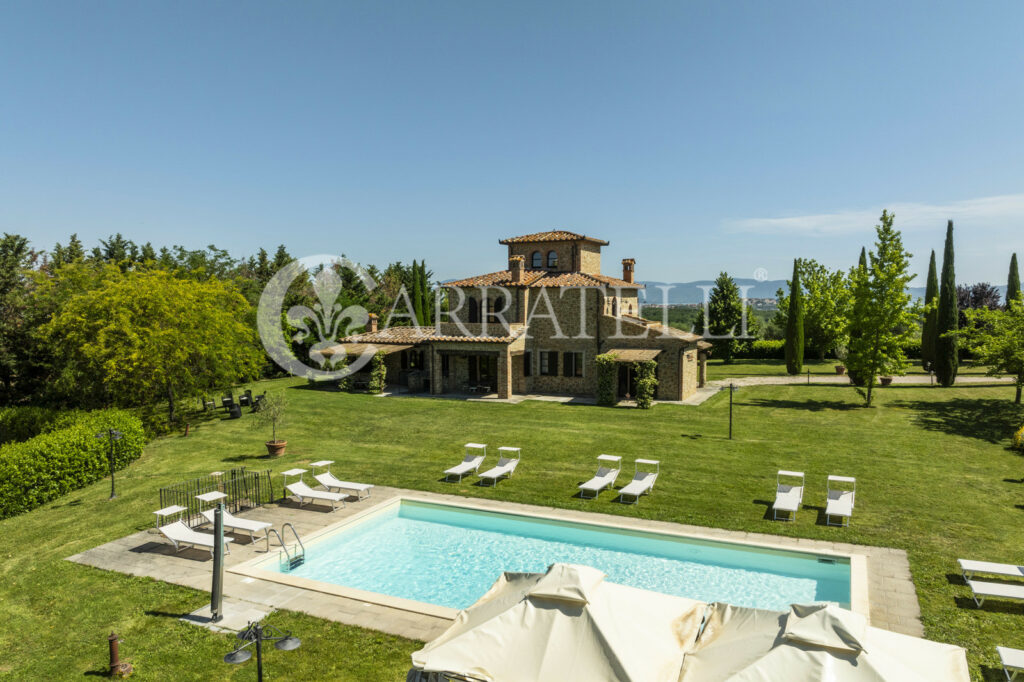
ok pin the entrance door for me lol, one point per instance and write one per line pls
(488, 371)
(627, 381)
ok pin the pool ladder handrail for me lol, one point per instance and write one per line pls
(300, 555)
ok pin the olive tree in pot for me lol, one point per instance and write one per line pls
(271, 413)
(841, 354)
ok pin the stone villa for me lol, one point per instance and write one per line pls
(536, 327)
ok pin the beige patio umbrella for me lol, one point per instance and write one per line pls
(814, 643)
(566, 624)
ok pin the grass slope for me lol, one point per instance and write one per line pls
(934, 477)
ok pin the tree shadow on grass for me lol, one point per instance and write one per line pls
(989, 419)
(809, 405)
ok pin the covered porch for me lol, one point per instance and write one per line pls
(473, 369)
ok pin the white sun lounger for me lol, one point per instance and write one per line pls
(983, 590)
(841, 493)
(180, 535)
(788, 496)
(304, 492)
(969, 568)
(237, 523)
(605, 477)
(1012, 660)
(328, 481)
(508, 460)
(475, 453)
(643, 481)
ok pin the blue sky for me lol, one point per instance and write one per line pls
(696, 137)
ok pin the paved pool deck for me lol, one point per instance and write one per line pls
(887, 591)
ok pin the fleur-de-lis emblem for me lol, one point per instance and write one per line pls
(319, 325)
(328, 318)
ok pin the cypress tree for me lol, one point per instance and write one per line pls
(428, 307)
(930, 317)
(417, 294)
(947, 361)
(1013, 281)
(795, 326)
(863, 258)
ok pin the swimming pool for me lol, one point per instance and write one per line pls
(449, 555)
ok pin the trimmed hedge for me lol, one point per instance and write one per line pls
(761, 349)
(775, 349)
(22, 423)
(66, 458)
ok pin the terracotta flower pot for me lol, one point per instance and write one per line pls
(275, 448)
(885, 381)
(840, 370)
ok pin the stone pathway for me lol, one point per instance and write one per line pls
(889, 592)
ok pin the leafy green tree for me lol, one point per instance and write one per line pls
(149, 335)
(795, 325)
(996, 338)
(882, 316)
(826, 305)
(15, 259)
(724, 311)
(1012, 282)
(930, 316)
(947, 361)
(63, 255)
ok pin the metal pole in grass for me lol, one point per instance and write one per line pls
(113, 435)
(217, 589)
(732, 389)
(808, 376)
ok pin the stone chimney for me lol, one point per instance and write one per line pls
(516, 264)
(627, 269)
(373, 323)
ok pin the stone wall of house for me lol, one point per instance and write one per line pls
(690, 373)
(565, 251)
(575, 332)
(516, 313)
(590, 258)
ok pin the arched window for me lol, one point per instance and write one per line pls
(552, 259)
(537, 260)
(474, 310)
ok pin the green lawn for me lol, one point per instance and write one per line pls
(934, 477)
(771, 368)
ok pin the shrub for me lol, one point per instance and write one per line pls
(1018, 439)
(65, 458)
(378, 373)
(607, 373)
(762, 349)
(646, 383)
(22, 423)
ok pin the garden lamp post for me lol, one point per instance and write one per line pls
(112, 435)
(732, 389)
(257, 634)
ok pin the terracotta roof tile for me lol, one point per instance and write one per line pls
(552, 236)
(412, 335)
(543, 278)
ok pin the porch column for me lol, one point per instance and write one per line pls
(504, 374)
(702, 369)
(436, 379)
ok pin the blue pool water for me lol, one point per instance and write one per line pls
(450, 556)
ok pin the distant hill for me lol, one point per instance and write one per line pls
(690, 292)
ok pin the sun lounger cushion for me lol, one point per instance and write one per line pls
(969, 568)
(983, 590)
